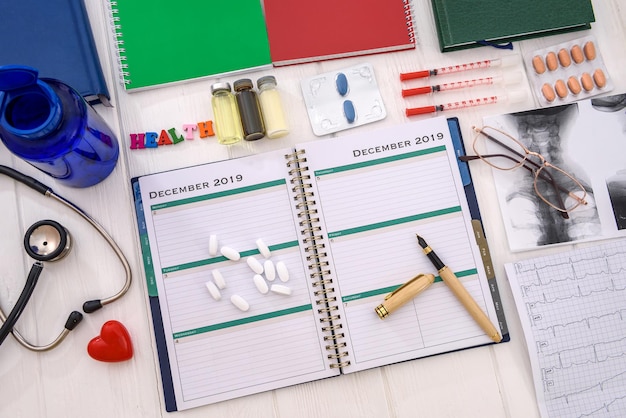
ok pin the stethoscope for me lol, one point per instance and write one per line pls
(49, 241)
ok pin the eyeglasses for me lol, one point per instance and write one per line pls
(517, 155)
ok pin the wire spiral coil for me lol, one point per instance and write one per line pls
(321, 274)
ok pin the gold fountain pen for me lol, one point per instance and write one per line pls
(461, 293)
(404, 293)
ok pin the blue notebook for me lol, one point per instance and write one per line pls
(54, 36)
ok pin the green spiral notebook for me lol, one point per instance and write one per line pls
(470, 23)
(159, 41)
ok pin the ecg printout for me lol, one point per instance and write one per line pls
(573, 311)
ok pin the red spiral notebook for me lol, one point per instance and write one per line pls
(307, 31)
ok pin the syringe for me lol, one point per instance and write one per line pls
(498, 62)
(462, 104)
(507, 78)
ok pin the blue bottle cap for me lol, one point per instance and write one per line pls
(13, 77)
(28, 107)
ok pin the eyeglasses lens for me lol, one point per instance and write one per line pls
(559, 189)
(499, 149)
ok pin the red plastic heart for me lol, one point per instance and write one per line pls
(112, 345)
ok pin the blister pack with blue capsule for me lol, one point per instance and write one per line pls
(343, 99)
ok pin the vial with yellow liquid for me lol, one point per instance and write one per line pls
(272, 108)
(227, 121)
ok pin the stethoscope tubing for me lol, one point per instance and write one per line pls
(116, 249)
(89, 306)
(14, 315)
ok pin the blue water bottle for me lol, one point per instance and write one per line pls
(50, 125)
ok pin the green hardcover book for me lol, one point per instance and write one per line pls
(465, 24)
(160, 41)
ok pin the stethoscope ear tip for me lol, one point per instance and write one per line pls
(73, 320)
(92, 305)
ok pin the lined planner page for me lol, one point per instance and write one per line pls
(573, 311)
(377, 191)
(217, 351)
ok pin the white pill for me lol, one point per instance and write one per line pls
(230, 253)
(260, 284)
(270, 270)
(218, 278)
(239, 302)
(213, 290)
(212, 245)
(263, 249)
(283, 273)
(255, 265)
(280, 289)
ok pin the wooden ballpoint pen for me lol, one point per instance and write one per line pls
(461, 293)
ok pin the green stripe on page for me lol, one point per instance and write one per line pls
(389, 289)
(217, 195)
(243, 321)
(148, 266)
(213, 260)
(393, 222)
(378, 161)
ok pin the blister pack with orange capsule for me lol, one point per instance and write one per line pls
(568, 71)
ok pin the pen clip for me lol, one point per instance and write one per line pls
(419, 276)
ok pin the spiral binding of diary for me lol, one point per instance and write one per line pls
(118, 43)
(320, 273)
(408, 12)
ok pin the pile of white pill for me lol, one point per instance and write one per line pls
(264, 273)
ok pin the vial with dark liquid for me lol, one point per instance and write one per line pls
(249, 110)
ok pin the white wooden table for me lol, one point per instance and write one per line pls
(492, 381)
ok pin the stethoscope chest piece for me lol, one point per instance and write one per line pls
(47, 241)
